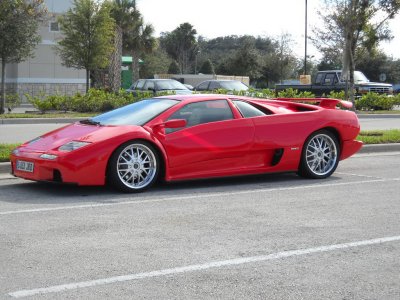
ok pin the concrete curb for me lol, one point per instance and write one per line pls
(377, 148)
(377, 116)
(5, 167)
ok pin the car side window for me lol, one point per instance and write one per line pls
(319, 78)
(247, 110)
(330, 79)
(202, 112)
(203, 86)
(214, 85)
(149, 85)
(139, 85)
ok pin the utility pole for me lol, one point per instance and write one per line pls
(305, 42)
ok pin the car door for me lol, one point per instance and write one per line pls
(212, 143)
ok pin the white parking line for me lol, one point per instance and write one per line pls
(198, 267)
(121, 201)
(359, 175)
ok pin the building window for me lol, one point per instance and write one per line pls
(54, 27)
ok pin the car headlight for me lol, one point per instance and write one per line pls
(15, 152)
(71, 146)
(48, 156)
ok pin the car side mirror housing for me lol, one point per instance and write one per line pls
(176, 123)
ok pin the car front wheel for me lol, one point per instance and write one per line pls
(320, 155)
(133, 167)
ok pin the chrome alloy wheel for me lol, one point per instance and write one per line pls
(321, 154)
(136, 166)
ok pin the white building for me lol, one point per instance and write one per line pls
(44, 73)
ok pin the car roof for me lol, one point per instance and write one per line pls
(161, 79)
(219, 80)
(196, 97)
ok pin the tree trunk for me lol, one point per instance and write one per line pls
(3, 87)
(114, 69)
(135, 65)
(87, 80)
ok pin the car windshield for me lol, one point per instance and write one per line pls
(170, 85)
(138, 113)
(234, 86)
(358, 77)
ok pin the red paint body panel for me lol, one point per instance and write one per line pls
(225, 148)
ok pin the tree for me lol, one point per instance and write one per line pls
(138, 40)
(207, 67)
(88, 32)
(181, 45)
(173, 68)
(19, 22)
(350, 24)
(247, 60)
(121, 12)
(156, 62)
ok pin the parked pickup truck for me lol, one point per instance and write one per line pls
(327, 81)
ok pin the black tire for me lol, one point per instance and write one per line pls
(133, 167)
(320, 155)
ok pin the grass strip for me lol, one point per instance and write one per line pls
(379, 136)
(5, 151)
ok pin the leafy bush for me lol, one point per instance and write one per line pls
(39, 102)
(293, 93)
(12, 101)
(264, 93)
(373, 101)
(93, 101)
(336, 95)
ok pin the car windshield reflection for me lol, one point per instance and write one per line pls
(138, 113)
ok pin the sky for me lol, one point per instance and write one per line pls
(270, 18)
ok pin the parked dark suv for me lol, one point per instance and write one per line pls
(159, 85)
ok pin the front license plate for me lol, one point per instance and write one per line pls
(25, 166)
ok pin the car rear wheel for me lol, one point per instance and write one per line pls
(133, 167)
(320, 155)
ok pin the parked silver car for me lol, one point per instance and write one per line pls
(159, 85)
(229, 85)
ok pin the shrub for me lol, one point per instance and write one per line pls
(12, 101)
(93, 101)
(373, 101)
(293, 93)
(337, 95)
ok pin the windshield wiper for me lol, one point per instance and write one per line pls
(89, 122)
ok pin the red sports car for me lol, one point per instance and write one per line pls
(193, 136)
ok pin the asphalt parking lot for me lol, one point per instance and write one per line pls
(260, 237)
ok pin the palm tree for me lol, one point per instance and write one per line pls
(121, 12)
(138, 39)
(132, 35)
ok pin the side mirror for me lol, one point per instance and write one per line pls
(177, 123)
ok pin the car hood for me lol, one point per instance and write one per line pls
(373, 84)
(75, 132)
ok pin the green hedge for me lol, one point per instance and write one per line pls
(93, 101)
(101, 101)
(373, 101)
